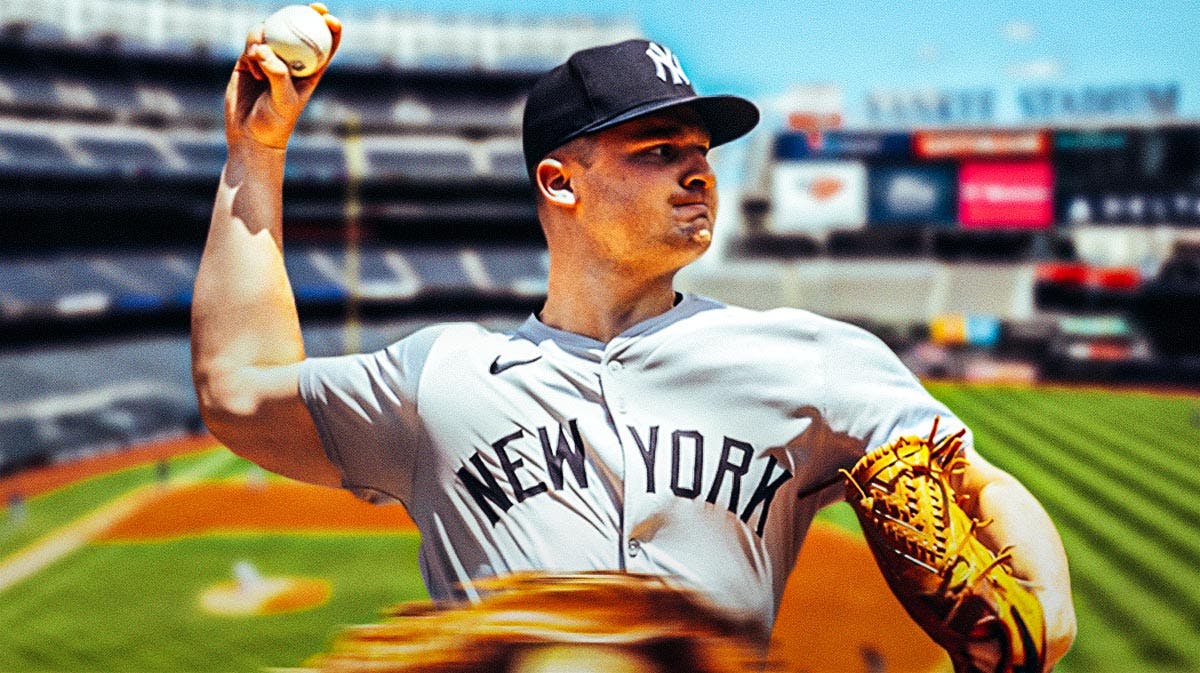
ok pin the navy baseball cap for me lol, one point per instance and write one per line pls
(604, 86)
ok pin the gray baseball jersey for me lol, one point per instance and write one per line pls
(678, 448)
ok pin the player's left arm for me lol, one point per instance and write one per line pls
(1039, 560)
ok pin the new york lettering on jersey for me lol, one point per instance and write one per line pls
(720, 481)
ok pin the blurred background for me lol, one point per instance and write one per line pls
(1008, 195)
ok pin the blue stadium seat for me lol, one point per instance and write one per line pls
(140, 283)
(30, 153)
(521, 271)
(507, 165)
(387, 275)
(128, 157)
(20, 444)
(198, 103)
(313, 161)
(473, 112)
(29, 83)
(423, 165)
(84, 430)
(439, 269)
(35, 282)
(317, 275)
(114, 93)
(205, 158)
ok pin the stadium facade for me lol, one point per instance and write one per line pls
(1046, 250)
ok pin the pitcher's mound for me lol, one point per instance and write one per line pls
(268, 596)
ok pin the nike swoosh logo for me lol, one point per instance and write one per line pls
(498, 366)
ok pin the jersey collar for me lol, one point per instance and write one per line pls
(586, 347)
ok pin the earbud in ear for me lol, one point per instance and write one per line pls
(553, 183)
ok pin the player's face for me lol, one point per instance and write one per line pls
(648, 194)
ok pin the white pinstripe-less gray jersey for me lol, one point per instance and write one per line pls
(677, 448)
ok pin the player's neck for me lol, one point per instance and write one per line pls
(603, 304)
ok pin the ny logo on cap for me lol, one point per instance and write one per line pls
(664, 60)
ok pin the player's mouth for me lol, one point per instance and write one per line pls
(692, 211)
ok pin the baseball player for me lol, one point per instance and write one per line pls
(624, 426)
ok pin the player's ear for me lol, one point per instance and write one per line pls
(554, 183)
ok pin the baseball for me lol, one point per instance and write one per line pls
(299, 37)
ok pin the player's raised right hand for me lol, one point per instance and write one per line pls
(263, 101)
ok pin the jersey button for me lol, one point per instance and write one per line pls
(615, 366)
(634, 546)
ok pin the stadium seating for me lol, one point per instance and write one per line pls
(111, 144)
(203, 156)
(128, 157)
(315, 160)
(78, 285)
(66, 399)
(25, 154)
(439, 161)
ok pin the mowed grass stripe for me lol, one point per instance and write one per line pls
(1158, 508)
(1099, 645)
(1114, 599)
(1153, 624)
(1141, 413)
(1140, 419)
(1169, 599)
(1164, 453)
(1112, 506)
(1150, 416)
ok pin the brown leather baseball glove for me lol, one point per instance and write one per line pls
(537, 622)
(960, 592)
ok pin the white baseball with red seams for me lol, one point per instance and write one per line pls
(299, 37)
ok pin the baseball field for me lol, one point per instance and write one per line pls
(182, 557)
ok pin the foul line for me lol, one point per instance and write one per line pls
(62, 541)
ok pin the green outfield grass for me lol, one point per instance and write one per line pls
(134, 606)
(1117, 471)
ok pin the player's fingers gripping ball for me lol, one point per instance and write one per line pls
(300, 38)
(960, 592)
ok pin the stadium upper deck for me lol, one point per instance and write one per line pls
(111, 143)
(403, 40)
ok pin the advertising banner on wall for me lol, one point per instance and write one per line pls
(812, 197)
(1127, 176)
(912, 195)
(1126, 207)
(1094, 160)
(1147, 160)
(1170, 158)
(965, 144)
(843, 144)
(1011, 194)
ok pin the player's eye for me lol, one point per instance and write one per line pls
(661, 151)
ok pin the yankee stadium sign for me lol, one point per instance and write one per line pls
(1122, 100)
(931, 106)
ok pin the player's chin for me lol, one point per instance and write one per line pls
(696, 232)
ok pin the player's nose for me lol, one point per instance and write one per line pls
(699, 174)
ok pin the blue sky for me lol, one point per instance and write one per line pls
(759, 49)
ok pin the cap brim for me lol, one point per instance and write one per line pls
(725, 117)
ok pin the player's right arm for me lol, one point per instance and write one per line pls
(246, 345)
